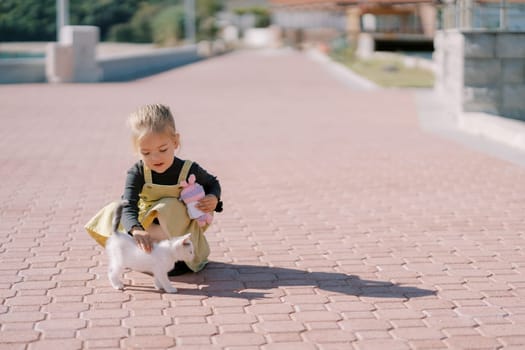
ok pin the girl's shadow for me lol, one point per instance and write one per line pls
(251, 282)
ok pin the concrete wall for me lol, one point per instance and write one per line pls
(22, 70)
(136, 66)
(116, 68)
(482, 71)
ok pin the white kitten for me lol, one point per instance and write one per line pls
(123, 252)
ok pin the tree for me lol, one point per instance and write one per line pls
(168, 26)
(28, 20)
(120, 20)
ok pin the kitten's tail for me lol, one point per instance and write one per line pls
(118, 215)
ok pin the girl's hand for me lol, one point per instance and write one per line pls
(208, 203)
(143, 240)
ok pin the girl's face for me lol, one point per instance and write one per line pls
(157, 150)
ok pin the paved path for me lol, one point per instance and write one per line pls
(346, 226)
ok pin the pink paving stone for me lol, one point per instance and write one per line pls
(107, 298)
(513, 340)
(104, 314)
(328, 336)
(289, 346)
(189, 311)
(18, 336)
(60, 334)
(75, 291)
(480, 311)
(145, 342)
(102, 343)
(48, 344)
(228, 310)
(238, 339)
(450, 332)
(417, 333)
(18, 326)
(65, 307)
(103, 322)
(192, 329)
(428, 344)
(273, 317)
(60, 324)
(309, 307)
(448, 322)
(147, 321)
(103, 333)
(472, 342)
(307, 316)
(502, 330)
(235, 328)
(399, 314)
(284, 308)
(389, 212)
(279, 326)
(21, 317)
(368, 324)
(305, 299)
(373, 335)
(232, 319)
(380, 344)
(205, 342)
(321, 325)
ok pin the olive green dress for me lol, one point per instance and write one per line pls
(162, 202)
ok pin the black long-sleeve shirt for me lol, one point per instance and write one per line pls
(135, 182)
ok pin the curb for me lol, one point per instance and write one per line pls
(342, 73)
(504, 130)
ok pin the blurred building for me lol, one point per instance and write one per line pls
(398, 22)
(483, 14)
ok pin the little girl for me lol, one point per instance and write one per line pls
(154, 211)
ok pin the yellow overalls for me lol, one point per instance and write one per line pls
(158, 201)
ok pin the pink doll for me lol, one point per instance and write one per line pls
(191, 193)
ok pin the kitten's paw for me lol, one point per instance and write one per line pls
(119, 286)
(171, 290)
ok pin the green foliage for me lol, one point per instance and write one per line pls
(27, 20)
(168, 26)
(102, 13)
(207, 28)
(119, 20)
(262, 15)
(122, 32)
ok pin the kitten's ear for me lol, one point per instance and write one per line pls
(186, 239)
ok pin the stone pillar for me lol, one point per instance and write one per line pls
(59, 63)
(365, 45)
(74, 59)
(482, 71)
(353, 21)
(84, 40)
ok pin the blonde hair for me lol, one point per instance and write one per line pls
(156, 118)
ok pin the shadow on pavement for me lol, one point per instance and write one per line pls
(250, 282)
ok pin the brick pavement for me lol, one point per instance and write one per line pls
(346, 226)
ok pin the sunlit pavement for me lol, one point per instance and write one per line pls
(346, 226)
